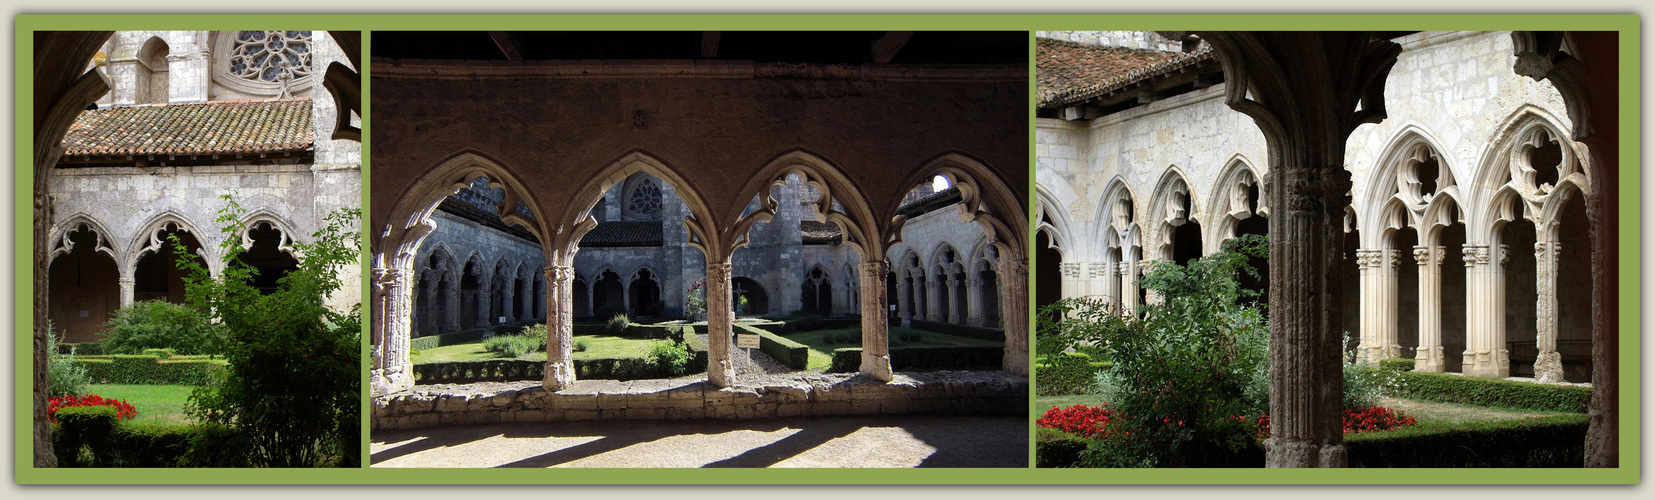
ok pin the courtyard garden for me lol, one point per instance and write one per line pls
(237, 376)
(1184, 383)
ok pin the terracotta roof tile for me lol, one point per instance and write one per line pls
(820, 233)
(624, 234)
(1068, 72)
(194, 128)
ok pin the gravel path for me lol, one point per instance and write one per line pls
(847, 441)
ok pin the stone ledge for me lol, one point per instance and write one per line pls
(774, 396)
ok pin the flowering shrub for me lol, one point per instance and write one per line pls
(1358, 420)
(123, 410)
(1080, 420)
(694, 300)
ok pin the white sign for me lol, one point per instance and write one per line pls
(747, 341)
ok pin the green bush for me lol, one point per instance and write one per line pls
(975, 332)
(1054, 448)
(155, 324)
(64, 375)
(513, 346)
(1397, 365)
(1556, 441)
(456, 338)
(849, 359)
(1066, 373)
(1479, 391)
(145, 369)
(91, 428)
(295, 365)
(1182, 368)
(671, 358)
(616, 326)
(215, 445)
(581, 345)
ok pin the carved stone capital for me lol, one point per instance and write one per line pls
(1070, 269)
(1475, 254)
(1421, 254)
(386, 280)
(559, 274)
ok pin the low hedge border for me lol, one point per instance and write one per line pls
(91, 436)
(787, 326)
(1447, 388)
(975, 332)
(1068, 373)
(849, 359)
(1054, 448)
(435, 341)
(150, 370)
(1556, 441)
(505, 370)
(787, 352)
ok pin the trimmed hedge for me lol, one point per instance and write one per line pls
(785, 326)
(503, 370)
(849, 359)
(1054, 448)
(994, 334)
(1068, 373)
(1479, 391)
(1557, 441)
(1397, 364)
(149, 369)
(787, 352)
(90, 436)
(456, 338)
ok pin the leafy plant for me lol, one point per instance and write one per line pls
(64, 376)
(156, 324)
(617, 324)
(291, 390)
(581, 345)
(672, 358)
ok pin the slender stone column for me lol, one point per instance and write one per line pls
(560, 328)
(1129, 289)
(451, 320)
(392, 370)
(507, 305)
(1389, 345)
(1014, 308)
(1485, 350)
(1072, 285)
(1548, 366)
(974, 302)
(1372, 307)
(1429, 356)
(955, 315)
(934, 310)
(876, 341)
(526, 312)
(904, 307)
(129, 286)
(720, 329)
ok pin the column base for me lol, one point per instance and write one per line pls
(1015, 362)
(381, 382)
(1429, 360)
(1281, 453)
(1548, 368)
(559, 376)
(877, 367)
(1489, 364)
(722, 374)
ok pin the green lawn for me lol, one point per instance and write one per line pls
(159, 404)
(821, 353)
(598, 347)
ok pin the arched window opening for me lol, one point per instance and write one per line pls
(817, 292)
(156, 275)
(83, 287)
(268, 257)
(608, 296)
(644, 294)
(151, 80)
(757, 303)
(1517, 239)
(470, 294)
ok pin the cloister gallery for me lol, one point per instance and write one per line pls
(1444, 213)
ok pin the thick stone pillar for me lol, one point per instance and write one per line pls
(876, 342)
(904, 306)
(974, 302)
(1548, 366)
(392, 331)
(526, 312)
(1014, 308)
(451, 308)
(1307, 91)
(934, 308)
(1371, 307)
(507, 305)
(560, 328)
(430, 325)
(1485, 350)
(129, 287)
(1429, 357)
(955, 287)
(720, 326)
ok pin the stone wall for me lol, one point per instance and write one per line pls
(993, 393)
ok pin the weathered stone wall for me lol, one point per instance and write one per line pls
(457, 241)
(994, 393)
(1129, 39)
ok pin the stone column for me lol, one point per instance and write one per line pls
(482, 298)
(974, 301)
(876, 342)
(904, 309)
(392, 370)
(129, 286)
(1387, 342)
(1372, 308)
(1485, 350)
(720, 326)
(560, 328)
(451, 320)
(1429, 357)
(1013, 273)
(507, 304)
(955, 286)
(933, 299)
(1548, 367)
(1129, 289)
(1072, 285)
(526, 313)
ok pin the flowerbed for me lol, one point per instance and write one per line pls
(1093, 421)
(123, 410)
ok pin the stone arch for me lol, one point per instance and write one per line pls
(841, 201)
(1239, 197)
(984, 278)
(85, 281)
(152, 263)
(268, 248)
(1054, 222)
(643, 288)
(1175, 218)
(152, 72)
(608, 293)
(817, 291)
(499, 300)
(1117, 208)
(577, 220)
(61, 243)
(758, 299)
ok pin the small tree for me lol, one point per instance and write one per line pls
(292, 389)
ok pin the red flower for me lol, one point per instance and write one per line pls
(123, 410)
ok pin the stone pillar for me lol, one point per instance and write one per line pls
(430, 293)
(451, 318)
(1548, 366)
(481, 297)
(1485, 350)
(1372, 308)
(1072, 285)
(904, 307)
(526, 313)
(974, 302)
(876, 342)
(720, 326)
(1429, 357)
(392, 370)
(560, 328)
(955, 286)
(129, 286)
(1386, 341)
(1129, 289)
(507, 305)
(1013, 273)
(933, 299)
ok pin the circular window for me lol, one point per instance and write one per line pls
(271, 56)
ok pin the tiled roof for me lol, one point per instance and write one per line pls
(487, 217)
(194, 128)
(929, 202)
(623, 234)
(1068, 72)
(820, 233)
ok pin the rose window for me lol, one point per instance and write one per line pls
(271, 56)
